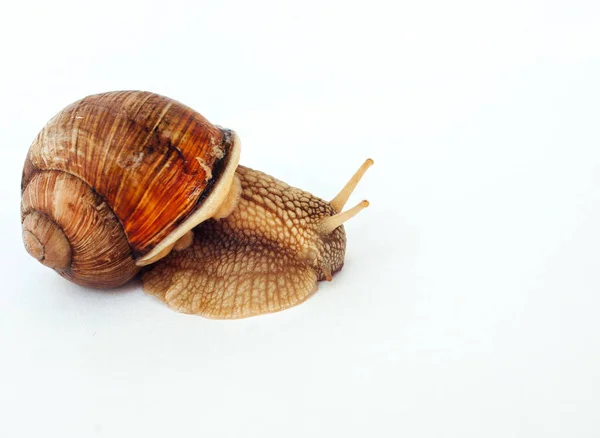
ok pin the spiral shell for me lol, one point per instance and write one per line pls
(113, 180)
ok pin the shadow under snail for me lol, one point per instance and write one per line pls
(119, 181)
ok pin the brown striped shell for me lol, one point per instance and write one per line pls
(115, 179)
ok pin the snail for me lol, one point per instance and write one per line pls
(126, 181)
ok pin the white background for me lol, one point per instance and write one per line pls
(469, 305)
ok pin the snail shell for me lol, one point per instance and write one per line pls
(114, 180)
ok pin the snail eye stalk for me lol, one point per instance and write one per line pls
(332, 222)
(342, 197)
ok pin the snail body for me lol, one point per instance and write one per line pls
(266, 256)
(126, 181)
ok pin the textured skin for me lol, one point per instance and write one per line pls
(149, 157)
(266, 256)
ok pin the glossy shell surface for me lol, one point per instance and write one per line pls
(151, 159)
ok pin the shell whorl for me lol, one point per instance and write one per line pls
(142, 162)
(46, 241)
(68, 227)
